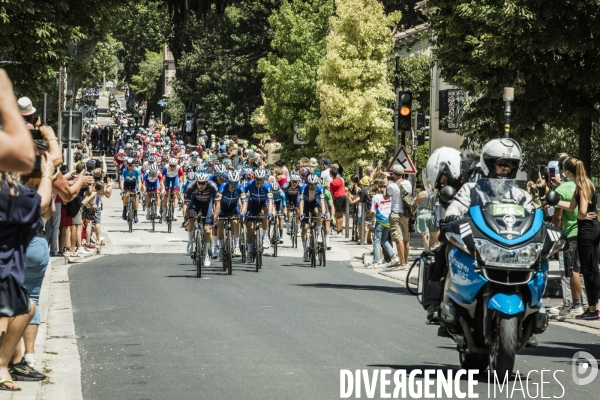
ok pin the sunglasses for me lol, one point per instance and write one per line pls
(201, 183)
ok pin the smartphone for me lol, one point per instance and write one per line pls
(541, 191)
(102, 153)
(544, 172)
(105, 178)
(552, 172)
(36, 134)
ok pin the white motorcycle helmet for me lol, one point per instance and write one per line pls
(504, 151)
(445, 161)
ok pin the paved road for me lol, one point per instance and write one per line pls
(150, 330)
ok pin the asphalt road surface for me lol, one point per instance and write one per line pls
(149, 329)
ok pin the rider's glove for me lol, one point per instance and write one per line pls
(325, 216)
(301, 216)
(270, 216)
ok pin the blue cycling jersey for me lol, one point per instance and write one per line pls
(214, 178)
(131, 176)
(317, 195)
(280, 196)
(259, 195)
(230, 198)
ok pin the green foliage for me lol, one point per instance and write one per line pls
(410, 17)
(290, 81)
(547, 51)
(421, 161)
(146, 81)
(140, 25)
(414, 73)
(218, 71)
(353, 88)
(38, 37)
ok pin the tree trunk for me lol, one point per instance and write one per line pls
(584, 130)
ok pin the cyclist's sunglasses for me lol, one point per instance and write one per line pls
(201, 183)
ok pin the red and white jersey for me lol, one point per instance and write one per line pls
(172, 174)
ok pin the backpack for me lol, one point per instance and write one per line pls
(408, 202)
(74, 206)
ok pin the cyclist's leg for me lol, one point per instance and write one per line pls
(208, 230)
(265, 227)
(253, 211)
(175, 195)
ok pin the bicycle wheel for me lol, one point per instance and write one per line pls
(294, 231)
(243, 243)
(143, 202)
(275, 239)
(229, 252)
(260, 235)
(313, 249)
(130, 215)
(324, 251)
(153, 214)
(199, 251)
(170, 216)
(256, 253)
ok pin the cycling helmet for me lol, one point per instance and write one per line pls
(295, 177)
(260, 174)
(313, 179)
(121, 151)
(180, 142)
(143, 137)
(506, 152)
(145, 154)
(227, 163)
(201, 177)
(220, 169)
(154, 168)
(128, 145)
(322, 182)
(445, 161)
(194, 154)
(233, 177)
(130, 161)
(191, 175)
(172, 161)
(275, 186)
(147, 140)
(151, 159)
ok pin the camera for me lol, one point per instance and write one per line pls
(36, 134)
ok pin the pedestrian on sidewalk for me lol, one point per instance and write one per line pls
(425, 222)
(381, 208)
(338, 190)
(398, 221)
(588, 232)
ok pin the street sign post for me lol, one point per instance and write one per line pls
(404, 160)
(71, 125)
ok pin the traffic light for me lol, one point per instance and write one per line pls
(422, 125)
(421, 139)
(405, 110)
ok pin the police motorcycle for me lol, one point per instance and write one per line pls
(497, 257)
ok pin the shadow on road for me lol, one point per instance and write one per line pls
(387, 289)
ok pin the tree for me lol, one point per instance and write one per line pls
(146, 81)
(547, 51)
(353, 88)
(290, 81)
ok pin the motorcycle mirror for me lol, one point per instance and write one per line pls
(447, 193)
(552, 198)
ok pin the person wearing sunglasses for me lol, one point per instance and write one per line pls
(312, 203)
(233, 203)
(260, 201)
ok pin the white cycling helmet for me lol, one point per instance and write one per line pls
(294, 177)
(313, 179)
(130, 161)
(445, 161)
(172, 161)
(275, 186)
(201, 177)
(260, 174)
(220, 169)
(233, 176)
(501, 151)
(191, 175)
(194, 154)
(154, 168)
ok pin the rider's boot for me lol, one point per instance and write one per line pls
(266, 240)
(206, 255)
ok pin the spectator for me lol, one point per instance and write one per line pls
(326, 164)
(16, 145)
(425, 222)
(18, 227)
(588, 232)
(398, 221)
(381, 209)
(369, 173)
(305, 168)
(339, 197)
(273, 149)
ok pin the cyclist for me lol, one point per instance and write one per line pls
(279, 204)
(260, 199)
(119, 160)
(232, 194)
(204, 198)
(154, 185)
(189, 182)
(172, 175)
(218, 178)
(330, 209)
(195, 161)
(312, 201)
(292, 196)
(131, 181)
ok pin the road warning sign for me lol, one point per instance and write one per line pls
(404, 160)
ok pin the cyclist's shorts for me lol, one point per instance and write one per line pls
(309, 206)
(129, 186)
(310, 212)
(278, 206)
(254, 209)
(152, 188)
(232, 210)
(205, 209)
(174, 190)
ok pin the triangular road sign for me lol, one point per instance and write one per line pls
(403, 159)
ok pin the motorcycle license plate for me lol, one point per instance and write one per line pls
(507, 209)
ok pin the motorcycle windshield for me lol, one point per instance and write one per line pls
(506, 208)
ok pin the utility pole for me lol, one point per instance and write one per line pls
(397, 106)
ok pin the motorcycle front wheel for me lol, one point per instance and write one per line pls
(503, 350)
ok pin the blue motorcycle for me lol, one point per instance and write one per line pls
(497, 261)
